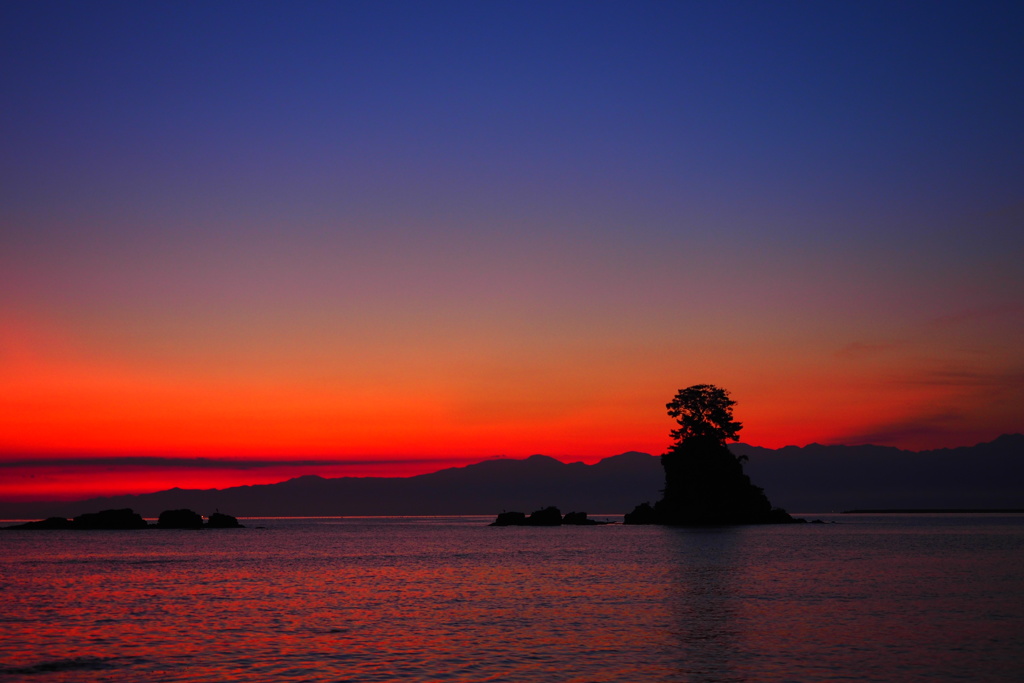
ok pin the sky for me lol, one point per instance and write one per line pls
(242, 241)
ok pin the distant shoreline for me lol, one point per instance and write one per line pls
(932, 511)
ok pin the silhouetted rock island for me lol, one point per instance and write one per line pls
(549, 516)
(219, 520)
(128, 519)
(705, 485)
(704, 481)
(180, 519)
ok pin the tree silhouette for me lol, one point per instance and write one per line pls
(704, 482)
(703, 411)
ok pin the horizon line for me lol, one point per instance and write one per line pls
(49, 458)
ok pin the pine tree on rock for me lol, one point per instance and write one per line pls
(703, 411)
(704, 481)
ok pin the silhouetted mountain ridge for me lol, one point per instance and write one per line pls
(822, 478)
(812, 478)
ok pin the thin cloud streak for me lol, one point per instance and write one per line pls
(981, 379)
(965, 317)
(216, 463)
(922, 428)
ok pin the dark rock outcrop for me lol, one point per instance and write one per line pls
(110, 519)
(129, 519)
(705, 485)
(219, 520)
(580, 519)
(510, 519)
(549, 516)
(180, 519)
(643, 513)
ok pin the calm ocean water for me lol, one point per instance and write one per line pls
(873, 598)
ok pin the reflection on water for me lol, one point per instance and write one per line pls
(928, 599)
(704, 601)
(416, 599)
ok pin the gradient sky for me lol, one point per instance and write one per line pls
(399, 235)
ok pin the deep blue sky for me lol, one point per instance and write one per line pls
(860, 108)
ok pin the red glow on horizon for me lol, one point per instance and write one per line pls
(58, 401)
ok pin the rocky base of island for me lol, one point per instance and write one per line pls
(549, 516)
(705, 486)
(128, 519)
(645, 513)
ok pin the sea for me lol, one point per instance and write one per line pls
(869, 597)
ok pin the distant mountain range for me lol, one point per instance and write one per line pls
(819, 478)
(805, 479)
